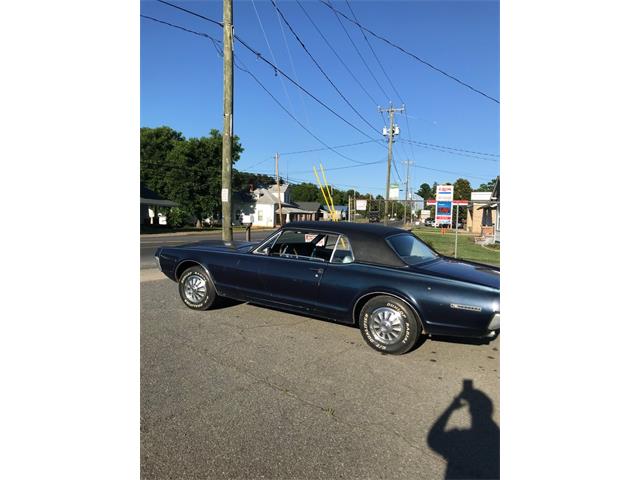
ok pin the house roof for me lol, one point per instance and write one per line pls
(313, 206)
(274, 188)
(149, 197)
(287, 209)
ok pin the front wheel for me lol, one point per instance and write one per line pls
(389, 325)
(196, 289)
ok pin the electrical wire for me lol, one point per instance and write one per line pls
(387, 98)
(277, 70)
(266, 39)
(425, 62)
(355, 78)
(304, 47)
(374, 53)
(454, 151)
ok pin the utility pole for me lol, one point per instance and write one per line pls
(393, 130)
(278, 186)
(227, 135)
(408, 163)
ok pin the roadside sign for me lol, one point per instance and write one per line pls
(361, 204)
(394, 191)
(444, 204)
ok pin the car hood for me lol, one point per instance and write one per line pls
(471, 272)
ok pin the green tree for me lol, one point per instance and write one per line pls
(425, 191)
(488, 187)
(193, 174)
(155, 146)
(462, 189)
(306, 192)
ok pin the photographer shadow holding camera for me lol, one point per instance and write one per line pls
(472, 453)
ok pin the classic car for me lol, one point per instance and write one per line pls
(383, 279)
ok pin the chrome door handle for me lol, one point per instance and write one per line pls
(318, 271)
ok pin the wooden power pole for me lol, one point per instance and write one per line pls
(278, 187)
(227, 135)
(390, 134)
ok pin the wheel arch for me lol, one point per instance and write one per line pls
(184, 264)
(364, 298)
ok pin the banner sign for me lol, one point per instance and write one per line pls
(361, 204)
(444, 204)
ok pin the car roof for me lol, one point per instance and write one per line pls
(367, 240)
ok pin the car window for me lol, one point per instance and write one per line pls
(411, 249)
(305, 245)
(343, 252)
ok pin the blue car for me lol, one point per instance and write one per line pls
(385, 280)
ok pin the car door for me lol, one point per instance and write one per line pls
(292, 270)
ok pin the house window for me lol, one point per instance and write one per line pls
(259, 215)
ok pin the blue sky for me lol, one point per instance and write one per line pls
(181, 86)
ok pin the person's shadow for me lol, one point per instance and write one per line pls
(472, 453)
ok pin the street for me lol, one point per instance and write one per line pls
(248, 392)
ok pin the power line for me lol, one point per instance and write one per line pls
(328, 147)
(295, 73)
(220, 24)
(320, 149)
(355, 78)
(266, 39)
(453, 151)
(304, 47)
(293, 116)
(360, 55)
(430, 65)
(276, 69)
(200, 34)
(448, 171)
(374, 54)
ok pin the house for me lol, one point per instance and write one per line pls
(483, 214)
(261, 207)
(150, 203)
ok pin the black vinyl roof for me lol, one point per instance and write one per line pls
(367, 239)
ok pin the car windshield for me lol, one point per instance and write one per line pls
(411, 249)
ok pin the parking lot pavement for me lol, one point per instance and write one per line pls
(248, 392)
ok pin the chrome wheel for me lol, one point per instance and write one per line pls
(386, 325)
(195, 288)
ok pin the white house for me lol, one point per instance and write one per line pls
(262, 207)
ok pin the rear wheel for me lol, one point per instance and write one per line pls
(389, 325)
(196, 288)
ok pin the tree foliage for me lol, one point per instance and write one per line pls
(185, 171)
(488, 187)
(462, 189)
(425, 191)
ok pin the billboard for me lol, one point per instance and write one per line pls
(444, 204)
(361, 204)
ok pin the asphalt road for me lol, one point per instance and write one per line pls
(247, 392)
(149, 243)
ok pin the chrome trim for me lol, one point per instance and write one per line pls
(335, 247)
(495, 322)
(273, 236)
(471, 308)
(353, 311)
